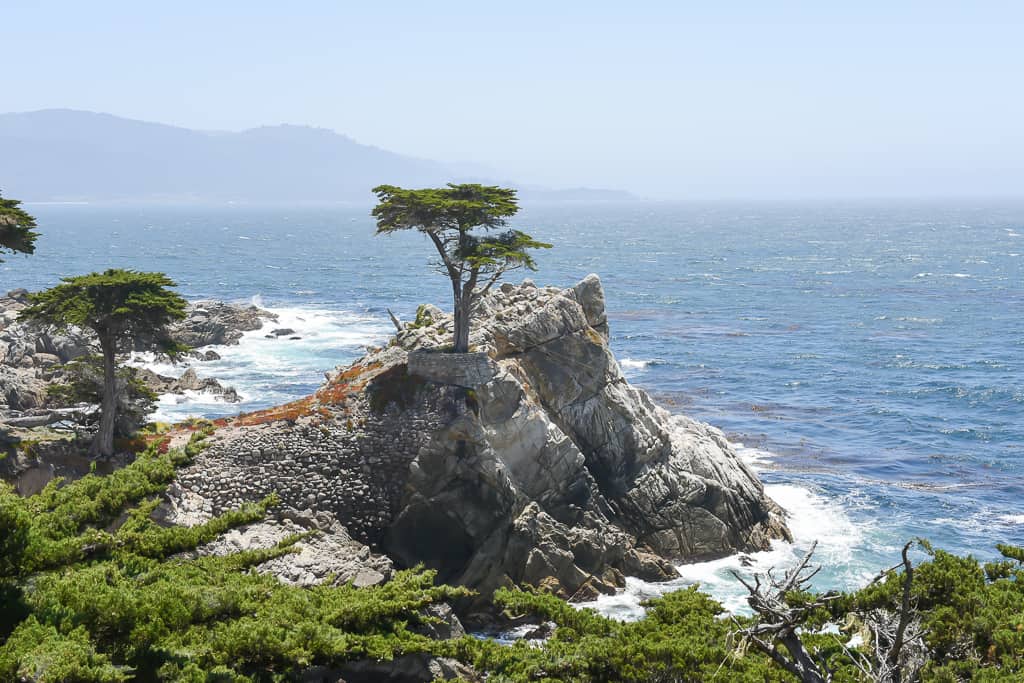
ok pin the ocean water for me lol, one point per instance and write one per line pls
(867, 356)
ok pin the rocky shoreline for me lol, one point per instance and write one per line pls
(35, 360)
(33, 357)
(530, 460)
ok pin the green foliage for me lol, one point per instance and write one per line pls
(94, 589)
(682, 638)
(197, 442)
(15, 524)
(454, 207)
(423, 318)
(116, 304)
(39, 652)
(505, 249)
(972, 615)
(448, 216)
(16, 234)
(973, 625)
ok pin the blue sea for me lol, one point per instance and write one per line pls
(867, 357)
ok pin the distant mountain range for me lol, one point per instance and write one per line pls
(68, 155)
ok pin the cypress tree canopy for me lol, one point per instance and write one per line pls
(448, 215)
(116, 302)
(16, 234)
(117, 305)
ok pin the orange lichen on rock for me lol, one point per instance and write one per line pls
(323, 404)
(289, 412)
(343, 385)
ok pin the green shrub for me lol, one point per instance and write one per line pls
(93, 589)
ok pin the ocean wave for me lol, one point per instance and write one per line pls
(269, 371)
(757, 458)
(633, 364)
(812, 516)
(176, 407)
(956, 275)
(1011, 520)
(913, 319)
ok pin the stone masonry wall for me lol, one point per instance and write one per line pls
(469, 370)
(349, 466)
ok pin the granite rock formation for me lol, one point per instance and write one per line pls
(529, 460)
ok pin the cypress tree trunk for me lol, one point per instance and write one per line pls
(103, 443)
(462, 296)
(464, 299)
(462, 326)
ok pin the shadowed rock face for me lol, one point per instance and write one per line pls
(532, 462)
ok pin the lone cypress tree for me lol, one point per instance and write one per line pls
(16, 235)
(118, 305)
(448, 216)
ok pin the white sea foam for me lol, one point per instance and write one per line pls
(634, 364)
(912, 319)
(956, 275)
(271, 371)
(811, 517)
(757, 458)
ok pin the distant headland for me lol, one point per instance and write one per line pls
(65, 155)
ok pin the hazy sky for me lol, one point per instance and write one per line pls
(668, 99)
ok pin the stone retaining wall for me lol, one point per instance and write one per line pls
(469, 370)
(349, 465)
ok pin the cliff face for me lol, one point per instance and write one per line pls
(530, 460)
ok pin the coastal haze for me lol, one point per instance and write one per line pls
(665, 100)
(62, 155)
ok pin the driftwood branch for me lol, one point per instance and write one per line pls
(904, 621)
(896, 649)
(48, 418)
(779, 622)
(395, 321)
(897, 637)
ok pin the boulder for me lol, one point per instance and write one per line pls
(328, 553)
(209, 323)
(189, 381)
(21, 389)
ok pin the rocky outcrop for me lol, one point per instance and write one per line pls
(531, 460)
(327, 551)
(212, 323)
(189, 381)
